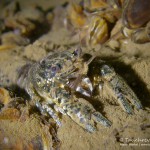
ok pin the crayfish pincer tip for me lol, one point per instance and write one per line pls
(139, 106)
(108, 123)
(99, 118)
(130, 111)
(90, 128)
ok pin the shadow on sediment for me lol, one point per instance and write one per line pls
(128, 74)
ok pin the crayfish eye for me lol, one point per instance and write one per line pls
(77, 52)
(56, 68)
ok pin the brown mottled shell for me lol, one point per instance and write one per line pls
(4, 96)
(136, 13)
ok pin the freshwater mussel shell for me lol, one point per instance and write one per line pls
(136, 13)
